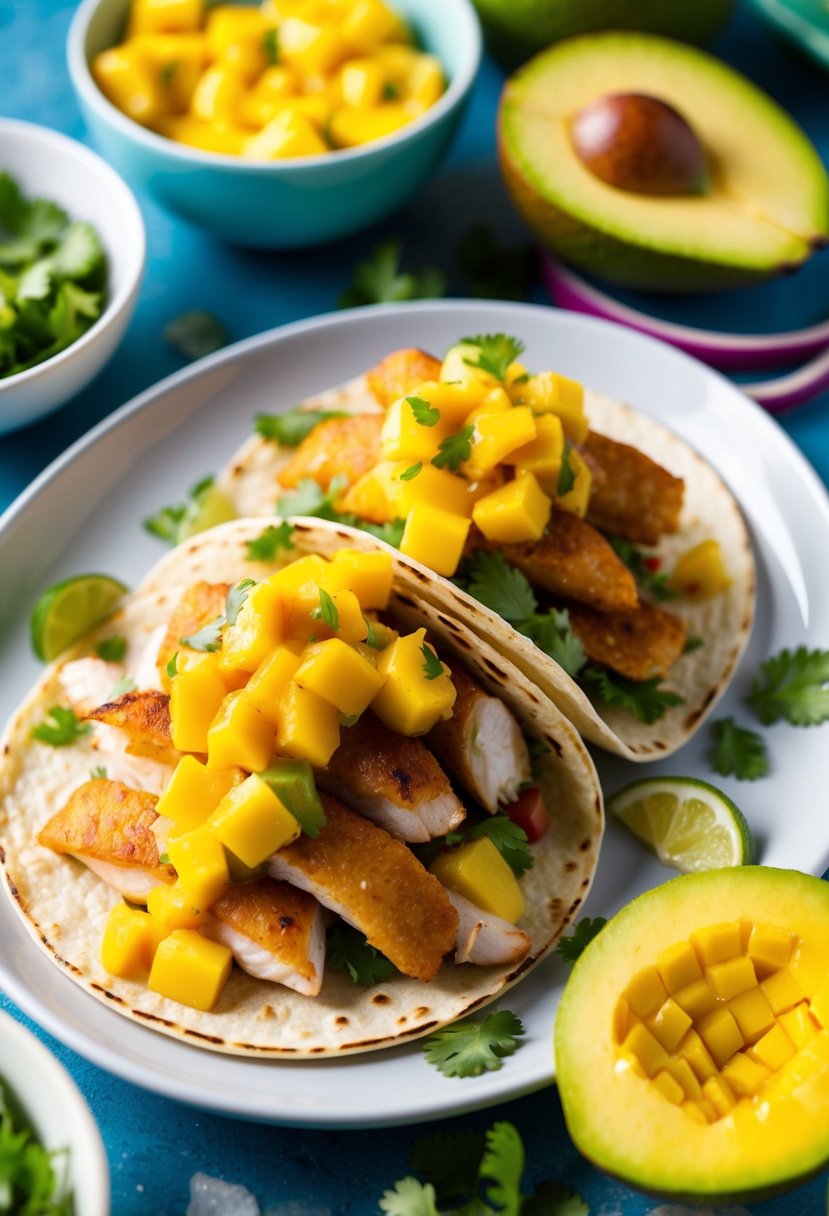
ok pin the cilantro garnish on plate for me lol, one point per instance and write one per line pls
(293, 426)
(738, 751)
(60, 727)
(571, 947)
(309, 498)
(348, 950)
(495, 353)
(265, 547)
(29, 1184)
(379, 280)
(112, 649)
(793, 685)
(647, 700)
(474, 1046)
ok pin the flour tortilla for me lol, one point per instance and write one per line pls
(709, 511)
(65, 906)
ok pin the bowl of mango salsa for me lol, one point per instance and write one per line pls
(281, 124)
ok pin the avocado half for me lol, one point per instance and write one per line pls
(692, 1039)
(766, 206)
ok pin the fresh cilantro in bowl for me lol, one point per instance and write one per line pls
(29, 1182)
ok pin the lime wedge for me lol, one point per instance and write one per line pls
(67, 610)
(689, 824)
(212, 507)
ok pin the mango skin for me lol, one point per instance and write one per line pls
(630, 1131)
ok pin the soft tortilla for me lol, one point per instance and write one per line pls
(65, 906)
(709, 511)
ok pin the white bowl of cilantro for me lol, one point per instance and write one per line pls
(41, 1106)
(72, 250)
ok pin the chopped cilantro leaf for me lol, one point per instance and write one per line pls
(208, 638)
(738, 751)
(391, 533)
(793, 685)
(265, 547)
(349, 951)
(553, 633)
(270, 46)
(537, 750)
(693, 642)
(98, 773)
(495, 271)
(391, 91)
(584, 930)
(309, 498)
(645, 699)
(424, 413)
(167, 524)
(453, 450)
(496, 353)
(412, 471)
(236, 597)
(195, 334)
(60, 727)
(502, 1168)
(566, 476)
(293, 426)
(472, 1047)
(169, 72)
(379, 280)
(327, 611)
(164, 859)
(121, 687)
(172, 665)
(409, 1198)
(112, 649)
(644, 569)
(509, 839)
(432, 666)
(29, 1184)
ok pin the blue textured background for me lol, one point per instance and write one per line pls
(154, 1145)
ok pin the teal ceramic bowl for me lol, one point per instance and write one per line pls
(289, 203)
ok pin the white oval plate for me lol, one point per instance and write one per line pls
(85, 511)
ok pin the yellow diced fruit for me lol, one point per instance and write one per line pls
(459, 366)
(218, 94)
(696, 999)
(426, 82)
(309, 727)
(455, 401)
(669, 1087)
(397, 61)
(193, 792)
(313, 49)
(438, 488)
(645, 992)
(820, 1003)
(222, 138)
(577, 498)
(230, 24)
(368, 575)
(308, 569)
(668, 1024)
(781, 991)
(752, 1013)
(696, 1053)
(719, 1094)
(681, 1070)
(769, 947)
(360, 83)
(678, 966)
(239, 735)
(374, 496)
(799, 1025)
(130, 940)
(497, 436)
(494, 401)
(773, 1049)
(190, 969)
(367, 23)
(746, 1077)
(258, 629)
(404, 438)
(621, 1019)
(700, 573)
(338, 674)
(477, 871)
(717, 943)
(252, 822)
(409, 702)
(269, 683)
(696, 1112)
(176, 61)
(288, 134)
(164, 16)
(201, 865)
(174, 907)
(645, 1049)
(351, 126)
(129, 85)
(732, 977)
(519, 510)
(351, 624)
(435, 537)
(542, 456)
(721, 1035)
(809, 965)
(196, 694)
(549, 392)
(268, 96)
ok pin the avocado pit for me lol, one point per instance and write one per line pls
(639, 143)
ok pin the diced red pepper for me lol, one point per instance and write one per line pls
(530, 813)
(653, 563)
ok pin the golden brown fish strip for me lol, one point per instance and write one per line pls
(345, 447)
(358, 869)
(375, 761)
(400, 373)
(571, 560)
(107, 821)
(144, 717)
(636, 498)
(200, 604)
(641, 644)
(273, 915)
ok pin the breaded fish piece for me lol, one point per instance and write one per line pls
(200, 604)
(144, 717)
(400, 373)
(276, 933)
(346, 447)
(570, 561)
(108, 827)
(392, 780)
(485, 939)
(375, 884)
(636, 498)
(482, 744)
(641, 644)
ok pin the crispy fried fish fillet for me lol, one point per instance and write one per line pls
(200, 604)
(346, 447)
(400, 373)
(107, 826)
(375, 884)
(482, 744)
(393, 780)
(485, 939)
(641, 644)
(636, 498)
(144, 717)
(571, 561)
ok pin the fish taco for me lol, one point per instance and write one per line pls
(581, 538)
(286, 808)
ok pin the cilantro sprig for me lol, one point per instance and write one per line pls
(348, 950)
(168, 522)
(566, 477)
(738, 751)
(29, 1183)
(573, 946)
(424, 413)
(508, 837)
(495, 353)
(293, 426)
(195, 334)
(112, 649)
(268, 544)
(379, 280)
(432, 666)
(644, 569)
(327, 612)
(793, 685)
(236, 597)
(60, 727)
(454, 449)
(309, 498)
(647, 700)
(474, 1046)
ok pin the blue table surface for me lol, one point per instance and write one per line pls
(155, 1144)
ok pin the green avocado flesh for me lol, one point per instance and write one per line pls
(692, 1039)
(767, 206)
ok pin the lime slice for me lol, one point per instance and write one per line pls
(68, 609)
(212, 507)
(689, 824)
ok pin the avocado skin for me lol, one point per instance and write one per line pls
(516, 29)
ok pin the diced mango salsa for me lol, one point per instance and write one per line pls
(257, 631)
(350, 623)
(165, 16)
(309, 727)
(435, 537)
(269, 683)
(239, 735)
(126, 81)
(404, 438)
(576, 499)
(519, 510)
(193, 792)
(130, 940)
(190, 969)
(368, 575)
(338, 674)
(196, 693)
(550, 392)
(200, 863)
(288, 133)
(252, 822)
(174, 907)
(701, 572)
(414, 695)
(542, 456)
(497, 436)
(438, 488)
(477, 871)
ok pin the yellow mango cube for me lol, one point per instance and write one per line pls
(746, 1077)
(717, 943)
(174, 907)
(308, 569)
(435, 537)
(729, 978)
(455, 401)
(229, 24)
(669, 1087)
(682, 1072)
(542, 456)
(360, 82)
(196, 693)
(770, 947)
(497, 436)
(269, 683)
(368, 575)
(696, 998)
(367, 23)
(773, 1049)
(721, 1035)
(645, 1049)
(409, 701)
(375, 495)
(309, 727)
(127, 82)
(176, 61)
(577, 498)
(668, 1024)
(252, 822)
(550, 392)
(782, 992)
(130, 940)
(437, 488)
(426, 82)
(494, 401)
(313, 614)
(351, 623)
(190, 969)
(459, 367)
(799, 1025)
(224, 138)
(164, 16)
(693, 1050)
(201, 865)
(193, 792)
(719, 1094)
(274, 87)
(645, 992)
(820, 1003)
(404, 438)
(351, 126)
(700, 573)
(218, 94)
(809, 965)
(678, 966)
(313, 49)
(338, 674)
(258, 630)
(477, 871)
(519, 510)
(287, 134)
(752, 1013)
(239, 735)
